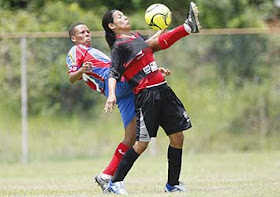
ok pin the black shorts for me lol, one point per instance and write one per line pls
(159, 106)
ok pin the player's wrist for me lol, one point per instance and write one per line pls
(80, 71)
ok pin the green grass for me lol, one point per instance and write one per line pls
(207, 174)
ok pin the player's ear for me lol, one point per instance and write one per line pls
(112, 26)
(73, 39)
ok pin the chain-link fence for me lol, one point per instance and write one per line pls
(227, 79)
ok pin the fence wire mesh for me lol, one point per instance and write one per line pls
(228, 82)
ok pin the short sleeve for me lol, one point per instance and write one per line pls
(117, 61)
(74, 59)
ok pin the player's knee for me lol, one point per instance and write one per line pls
(177, 140)
(140, 147)
(130, 133)
(129, 140)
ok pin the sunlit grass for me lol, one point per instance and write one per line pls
(213, 174)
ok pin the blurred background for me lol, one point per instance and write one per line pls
(227, 77)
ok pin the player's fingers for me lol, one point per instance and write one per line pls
(88, 63)
(109, 106)
(167, 71)
(106, 108)
(87, 66)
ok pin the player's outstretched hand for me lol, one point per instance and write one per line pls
(110, 104)
(164, 71)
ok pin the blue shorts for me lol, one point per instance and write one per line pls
(125, 101)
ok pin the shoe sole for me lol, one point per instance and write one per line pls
(195, 12)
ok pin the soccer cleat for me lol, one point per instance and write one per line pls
(176, 188)
(117, 187)
(103, 183)
(192, 19)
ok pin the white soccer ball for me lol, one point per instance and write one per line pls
(158, 16)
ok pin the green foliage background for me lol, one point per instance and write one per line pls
(228, 83)
(52, 15)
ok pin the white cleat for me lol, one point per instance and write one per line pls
(103, 183)
(176, 188)
(192, 19)
(117, 187)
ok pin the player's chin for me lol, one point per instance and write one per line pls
(128, 26)
(88, 43)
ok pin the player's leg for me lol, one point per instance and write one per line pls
(147, 125)
(121, 149)
(116, 185)
(126, 105)
(174, 156)
(133, 153)
(128, 160)
(191, 25)
(104, 178)
(174, 120)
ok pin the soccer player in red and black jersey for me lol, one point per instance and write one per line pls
(156, 104)
(92, 66)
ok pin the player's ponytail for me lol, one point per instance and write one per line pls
(109, 34)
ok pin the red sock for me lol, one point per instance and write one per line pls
(167, 39)
(117, 157)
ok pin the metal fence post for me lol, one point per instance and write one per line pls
(24, 100)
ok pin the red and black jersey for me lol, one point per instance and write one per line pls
(133, 59)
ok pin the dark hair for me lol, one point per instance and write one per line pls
(72, 28)
(109, 34)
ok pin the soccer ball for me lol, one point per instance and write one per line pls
(158, 16)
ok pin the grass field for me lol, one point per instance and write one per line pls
(211, 174)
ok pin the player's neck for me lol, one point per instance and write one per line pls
(126, 35)
(123, 33)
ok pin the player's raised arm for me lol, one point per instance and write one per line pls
(153, 40)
